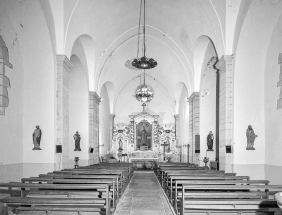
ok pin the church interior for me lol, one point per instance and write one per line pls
(138, 84)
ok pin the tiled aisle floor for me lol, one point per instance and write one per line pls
(143, 196)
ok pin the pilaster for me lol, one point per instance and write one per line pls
(225, 68)
(94, 101)
(279, 84)
(63, 68)
(194, 125)
(176, 125)
(112, 124)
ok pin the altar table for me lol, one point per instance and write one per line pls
(146, 163)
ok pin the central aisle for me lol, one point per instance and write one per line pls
(143, 196)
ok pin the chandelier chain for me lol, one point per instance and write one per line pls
(144, 31)
(139, 26)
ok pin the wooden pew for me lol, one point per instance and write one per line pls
(124, 174)
(111, 182)
(219, 194)
(116, 166)
(219, 205)
(66, 209)
(15, 202)
(171, 182)
(102, 176)
(229, 206)
(167, 173)
(123, 181)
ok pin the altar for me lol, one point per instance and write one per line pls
(144, 140)
(145, 163)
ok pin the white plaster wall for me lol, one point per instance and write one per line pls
(208, 103)
(183, 118)
(39, 85)
(249, 83)
(78, 112)
(208, 113)
(273, 123)
(162, 104)
(104, 122)
(11, 130)
(32, 94)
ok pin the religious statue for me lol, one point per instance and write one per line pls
(278, 198)
(210, 141)
(251, 136)
(77, 139)
(144, 135)
(36, 137)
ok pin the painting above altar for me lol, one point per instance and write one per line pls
(143, 135)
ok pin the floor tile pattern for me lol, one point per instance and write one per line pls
(143, 195)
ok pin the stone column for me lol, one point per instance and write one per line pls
(94, 101)
(63, 68)
(225, 69)
(194, 125)
(279, 84)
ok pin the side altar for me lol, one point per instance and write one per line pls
(143, 140)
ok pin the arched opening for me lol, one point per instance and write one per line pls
(78, 111)
(205, 57)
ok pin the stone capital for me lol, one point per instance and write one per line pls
(95, 96)
(224, 62)
(63, 61)
(280, 58)
(194, 96)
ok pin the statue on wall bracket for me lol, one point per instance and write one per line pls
(210, 138)
(251, 136)
(36, 137)
(77, 139)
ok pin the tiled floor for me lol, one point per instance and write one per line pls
(143, 196)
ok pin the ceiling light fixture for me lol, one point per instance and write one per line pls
(143, 62)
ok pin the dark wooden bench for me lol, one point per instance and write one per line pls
(124, 179)
(177, 191)
(102, 176)
(111, 182)
(166, 174)
(229, 206)
(188, 201)
(15, 202)
(174, 181)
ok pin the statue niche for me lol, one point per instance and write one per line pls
(144, 134)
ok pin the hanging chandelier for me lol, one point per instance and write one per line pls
(144, 93)
(143, 62)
